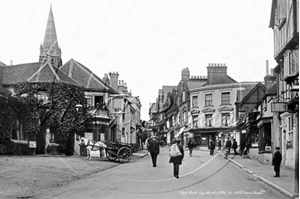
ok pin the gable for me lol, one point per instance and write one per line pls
(253, 97)
(85, 77)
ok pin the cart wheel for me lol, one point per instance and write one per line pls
(124, 154)
(111, 155)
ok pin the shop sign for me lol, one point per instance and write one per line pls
(279, 107)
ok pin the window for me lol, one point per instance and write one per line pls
(98, 100)
(185, 118)
(195, 120)
(17, 131)
(41, 95)
(225, 98)
(123, 132)
(291, 63)
(225, 119)
(208, 120)
(194, 101)
(290, 133)
(89, 100)
(208, 100)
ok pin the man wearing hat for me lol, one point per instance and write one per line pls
(153, 148)
(276, 161)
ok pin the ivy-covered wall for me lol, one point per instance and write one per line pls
(59, 112)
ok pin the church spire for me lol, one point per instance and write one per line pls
(50, 45)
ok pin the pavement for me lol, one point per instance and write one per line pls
(261, 171)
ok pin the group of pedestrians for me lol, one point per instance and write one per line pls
(153, 148)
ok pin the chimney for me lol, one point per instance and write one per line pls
(185, 74)
(114, 80)
(267, 67)
(216, 71)
(270, 80)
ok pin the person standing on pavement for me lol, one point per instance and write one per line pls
(153, 148)
(276, 161)
(234, 146)
(228, 145)
(191, 145)
(178, 159)
(219, 144)
(212, 147)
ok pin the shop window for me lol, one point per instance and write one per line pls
(254, 139)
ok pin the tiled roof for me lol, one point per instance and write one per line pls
(195, 84)
(85, 77)
(243, 94)
(34, 72)
(220, 79)
(167, 89)
(19, 73)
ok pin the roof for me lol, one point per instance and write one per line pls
(85, 77)
(272, 15)
(168, 89)
(243, 95)
(220, 79)
(272, 90)
(50, 38)
(34, 72)
(195, 84)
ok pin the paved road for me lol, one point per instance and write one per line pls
(201, 176)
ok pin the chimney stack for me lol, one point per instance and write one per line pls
(267, 67)
(114, 80)
(185, 74)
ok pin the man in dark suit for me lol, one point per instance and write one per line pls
(153, 148)
(276, 161)
(228, 145)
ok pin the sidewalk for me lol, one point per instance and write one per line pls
(265, 173)
(140, 154)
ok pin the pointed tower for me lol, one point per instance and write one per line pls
(50, 46)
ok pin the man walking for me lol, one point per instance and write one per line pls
(219, 144)
(212, 147)
(228, 145)
(234, 146)
(153, 148)
(276, 161)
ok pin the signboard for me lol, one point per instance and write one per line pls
(32, 144)
(279, 107)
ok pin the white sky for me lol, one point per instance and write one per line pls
(148, 42)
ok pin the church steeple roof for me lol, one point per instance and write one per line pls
(50, 39)
(50, 49)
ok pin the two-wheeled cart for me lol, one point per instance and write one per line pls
(118, 151)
